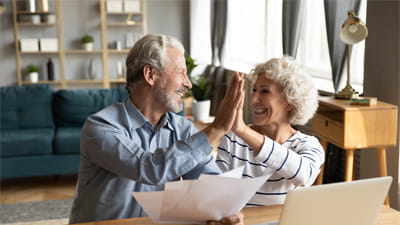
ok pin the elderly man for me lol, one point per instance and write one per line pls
(140, 144)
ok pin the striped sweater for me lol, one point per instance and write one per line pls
(295, 163)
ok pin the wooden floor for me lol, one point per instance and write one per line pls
(37, 189)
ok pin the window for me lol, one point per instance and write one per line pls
(313, 51)
(254, 35)
(248, 47)
(200, 33)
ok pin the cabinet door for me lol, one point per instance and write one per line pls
(370, 128)
(328, 129)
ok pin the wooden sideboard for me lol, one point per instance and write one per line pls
(352, 127)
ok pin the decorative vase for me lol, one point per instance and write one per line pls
(91, 70)
(50, 69)
(88, 46)
(129, 40)
(44, 5)
(33, 77)
(201, 110)
(120, 70)
(31, 5)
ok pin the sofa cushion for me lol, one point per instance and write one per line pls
(67, 140)
(72, 107)
(39, 165)
(28, 106)
(18, 142)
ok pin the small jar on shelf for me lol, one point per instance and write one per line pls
(87, 42)
(33, 73)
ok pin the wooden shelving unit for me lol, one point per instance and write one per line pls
(114, 51)
(38, 25)
(84, 81)
(52, 82)
(81, 51)
(105, 52)
(40, 53)
(19, 53)
(105, 25)
(117, 80)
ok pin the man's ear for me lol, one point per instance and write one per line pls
(149, 74)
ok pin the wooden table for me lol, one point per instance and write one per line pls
(256, 215)
(352, 127)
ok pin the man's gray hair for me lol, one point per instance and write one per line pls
(149, 50)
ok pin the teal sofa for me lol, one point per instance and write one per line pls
(40, 127)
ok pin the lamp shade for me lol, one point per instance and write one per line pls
(353, 29)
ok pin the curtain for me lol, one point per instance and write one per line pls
(335, 14)
(292, 14)
(216, 71)
(219, 13)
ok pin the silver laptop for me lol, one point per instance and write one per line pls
(346, 203)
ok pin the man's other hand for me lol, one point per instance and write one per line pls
(237, 219)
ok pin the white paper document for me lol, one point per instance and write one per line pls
(211, 197)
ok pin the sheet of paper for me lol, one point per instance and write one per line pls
(153, 206)
(235, 173)
(210, 197)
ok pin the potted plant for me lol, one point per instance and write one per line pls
(87, 42)
(33, 73)
(201, 92)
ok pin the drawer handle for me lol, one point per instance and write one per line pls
(326, 123)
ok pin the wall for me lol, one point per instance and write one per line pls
(169, 17)
(382, 79)
(163, 16)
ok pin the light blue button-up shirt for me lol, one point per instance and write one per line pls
(121, 152)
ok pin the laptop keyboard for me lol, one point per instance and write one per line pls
(268, 223)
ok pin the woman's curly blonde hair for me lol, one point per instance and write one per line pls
(296, 85)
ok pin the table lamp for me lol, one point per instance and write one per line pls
(2, 7)
(353, 30)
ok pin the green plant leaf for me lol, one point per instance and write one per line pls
(190, 65)
(202, 86)
(87, 39)
(202, 89)
(32, 68)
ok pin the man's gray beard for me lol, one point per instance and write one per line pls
(169, 101)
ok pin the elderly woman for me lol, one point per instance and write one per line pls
(283, 95)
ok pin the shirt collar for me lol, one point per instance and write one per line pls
(169, 121)
(138, 120)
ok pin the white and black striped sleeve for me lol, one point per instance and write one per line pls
(300, 164)
(224, 157)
